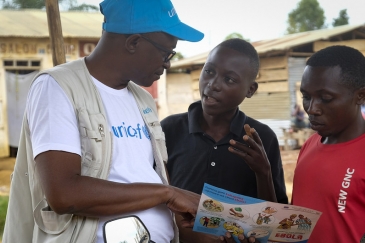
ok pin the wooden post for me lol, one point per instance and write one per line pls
(55, 32)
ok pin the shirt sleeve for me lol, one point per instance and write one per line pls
(51, 118)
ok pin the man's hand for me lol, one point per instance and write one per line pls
(227, 238)
(255, 156)
(185, 204)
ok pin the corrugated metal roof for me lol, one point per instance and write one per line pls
(33, 23)
(279, 44)
(288, 41)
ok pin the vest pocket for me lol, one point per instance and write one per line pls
(159, 136)
(49, 221)
(89, 167)
(92, 133)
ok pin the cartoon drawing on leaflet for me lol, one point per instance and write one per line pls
(206, 221)
(266, 218)
(239, 212)
(233, 227)
(257, 218)
(287, 223)
(212, 222)
(303, 223)
(269, 210)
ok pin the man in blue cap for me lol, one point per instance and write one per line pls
(92, 148)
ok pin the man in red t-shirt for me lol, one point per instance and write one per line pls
(330, 173)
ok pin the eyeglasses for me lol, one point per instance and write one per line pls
(170, 54)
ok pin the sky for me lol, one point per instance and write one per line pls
(253, 19)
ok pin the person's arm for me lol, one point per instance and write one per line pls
(68, 192)
(274, 156)
(255, 156)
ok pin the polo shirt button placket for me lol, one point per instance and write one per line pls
(212, 164)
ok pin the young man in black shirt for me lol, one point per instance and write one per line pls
(209, 143)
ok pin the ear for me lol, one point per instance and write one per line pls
(132, 43)
(253, 87)
(360, 96)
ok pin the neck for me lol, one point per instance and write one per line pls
(216, 126)
(354, 130)
(106, 62)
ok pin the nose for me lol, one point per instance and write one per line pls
(167, 65)
(313, 107)
(214, 84)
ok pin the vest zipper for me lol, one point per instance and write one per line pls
(101, 130)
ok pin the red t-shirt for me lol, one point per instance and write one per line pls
(331, 179)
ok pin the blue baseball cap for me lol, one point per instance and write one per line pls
(143, 16)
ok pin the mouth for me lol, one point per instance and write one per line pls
(209, 99)
(316, 125)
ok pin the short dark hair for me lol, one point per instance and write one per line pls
(245, 48)
(350, 60)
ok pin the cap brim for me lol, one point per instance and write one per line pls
(185, 32)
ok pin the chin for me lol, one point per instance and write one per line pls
(145, 83)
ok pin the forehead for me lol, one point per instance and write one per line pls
(228, 59)
(322, 79)
(163, 39)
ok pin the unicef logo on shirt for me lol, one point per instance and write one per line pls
(146, 133)
(125, 131)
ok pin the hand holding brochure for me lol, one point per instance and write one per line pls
(220, 211)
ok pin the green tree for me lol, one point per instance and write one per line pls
(20, 4)
(235, 35)
(84, 7)
(40, 4)
(342, 19)
(178, 56)
(307, 16)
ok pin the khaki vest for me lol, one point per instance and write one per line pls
(28, 218)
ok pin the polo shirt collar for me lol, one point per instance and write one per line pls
(195, 111)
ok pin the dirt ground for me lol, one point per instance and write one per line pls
(289, 158)
(6, 168)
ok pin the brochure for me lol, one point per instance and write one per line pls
(220, 211)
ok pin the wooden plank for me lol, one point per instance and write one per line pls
(272, 75)
(268, 106)
(196, 95)
(280, 86)
(195, 85)
(273, 62)
(195, 75)
(357, 44)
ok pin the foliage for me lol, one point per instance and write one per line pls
(178, 56)
(235, 35)
(307, 16)
(3, 208)
(40, 4)
(84, 7)
(21, 4)
(342, 19)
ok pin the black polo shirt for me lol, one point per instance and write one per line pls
(195, 158)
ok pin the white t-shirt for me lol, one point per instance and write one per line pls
(53, 126)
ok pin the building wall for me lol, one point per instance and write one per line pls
(21, 55)
(179, 93)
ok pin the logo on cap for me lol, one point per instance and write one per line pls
(172, 12)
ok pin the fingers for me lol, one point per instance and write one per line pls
(228, 238)
(187, 221)
(183, 202)
(251, 133)
(248, 130)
